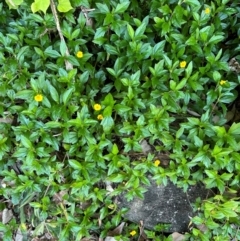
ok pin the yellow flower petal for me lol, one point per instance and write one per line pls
(183, 64)
(222, 82)
(100, 117)
(38, 97)
(79, 54)
(157, 163)
(207, 10)
(132, 233)
(97, 107)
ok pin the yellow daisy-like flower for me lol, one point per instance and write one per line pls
(79, 54)
(183, 64)
(207, 10)
(100, 117)
(157, 163)
(38, 97)
(132, 233)
(223, 82)
(97, 107)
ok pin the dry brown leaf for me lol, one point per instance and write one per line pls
(6, 120)
(89, 239)
(111, 239)
(109, 187)
(146, 148)
(117, 231)
(58, 197)
(7, 215)
(177, 236)
(202, 227)
(234, 65)
(19, 236)
(142, 236)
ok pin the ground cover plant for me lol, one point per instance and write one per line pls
(84, 83)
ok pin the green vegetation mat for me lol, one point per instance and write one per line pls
(84, 83)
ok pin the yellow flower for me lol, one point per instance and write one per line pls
(222, 82)
(207, 10)
(157, 163)
(132, 233)
(97, 107)
(38, 97)
(100, 117)
(79, 54)
(183, 64)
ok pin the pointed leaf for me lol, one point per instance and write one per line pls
(26, 142)
(121, 7)
(64, 6)
(40, 5)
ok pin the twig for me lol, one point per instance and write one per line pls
(54, 11)
(46, 31)
(85, 11)
(6, 120)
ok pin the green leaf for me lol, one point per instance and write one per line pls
(229, 213)
(75, 34)
(108, 100)
(107, 111)
(218, 55)
(189, 69)
(107, 123)
(108, 19)
(22, 53)
(40, 5)
(115, 149)
(54, 93)
(234, 129)
(122, 7)
(103, 8)
(13, 3)
(181, 84)
(216, 76)
(74, 61)
(193, 2)
(158, 49)
(215, 39)
(35, 205)
(63, 48)
(25, 94)
(26, 142)
(39, 51)
(211, 173)
(53, 124)
(140, 30)
(84, 77)
(217, 215)
(227, 97)
(46, 102)
(75, 164)
(172, 85)
(130, 31)
(111, 49)
(51, 53)
(40, 227)
(121, 109)
(67, 95)
(64, 6)
(167, 61)
(231, 204)
(226, 176)
(116, 177)
(111, 71)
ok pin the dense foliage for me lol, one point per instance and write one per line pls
(144, 70)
